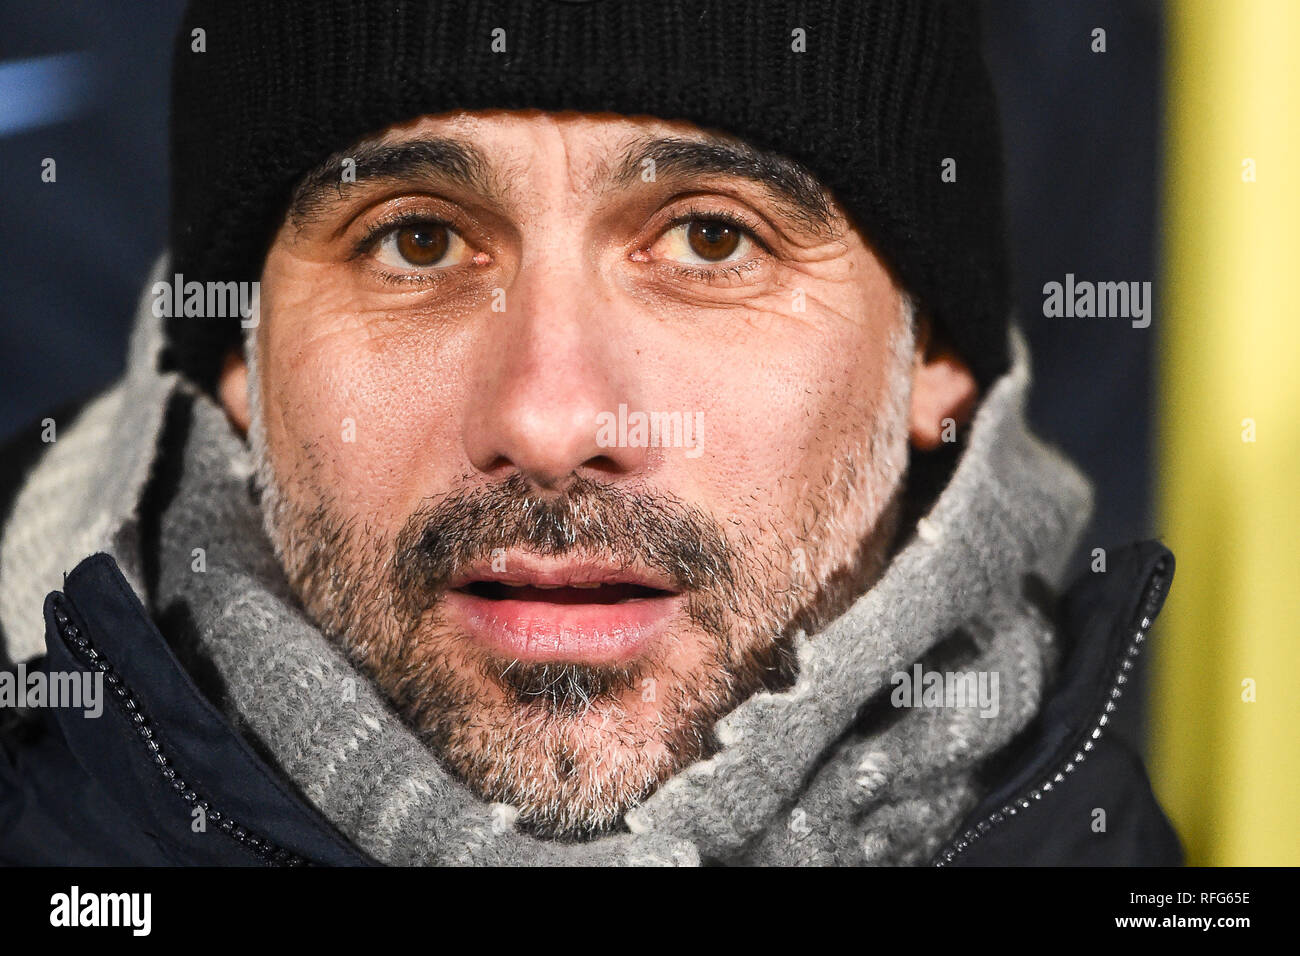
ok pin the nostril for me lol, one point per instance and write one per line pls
(604, 464)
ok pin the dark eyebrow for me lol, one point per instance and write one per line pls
(437, 160)
(797, 189)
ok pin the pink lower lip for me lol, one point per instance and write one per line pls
(542, 632)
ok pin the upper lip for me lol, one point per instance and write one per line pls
(522, 569)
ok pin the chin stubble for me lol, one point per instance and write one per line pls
(568, 745)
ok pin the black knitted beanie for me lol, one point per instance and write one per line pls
(877, 98)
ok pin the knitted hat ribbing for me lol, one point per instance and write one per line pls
(882, 94)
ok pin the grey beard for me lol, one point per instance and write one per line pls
(372, 598)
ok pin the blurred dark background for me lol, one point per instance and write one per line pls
(85, 82)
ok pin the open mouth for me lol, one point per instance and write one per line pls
(556, 609)
(560, 594)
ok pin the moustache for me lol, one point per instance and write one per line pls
(589, 517)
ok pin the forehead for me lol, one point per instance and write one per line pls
(589, 146)
(505, 155)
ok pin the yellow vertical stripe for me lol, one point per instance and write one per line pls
(1228, 771)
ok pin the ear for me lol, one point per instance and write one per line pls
(944, 391)
(232, 389)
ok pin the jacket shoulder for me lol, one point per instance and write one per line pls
(157, 775)
(1068, 792)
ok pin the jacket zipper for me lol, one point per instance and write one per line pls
(1150, 600)
(266, 851)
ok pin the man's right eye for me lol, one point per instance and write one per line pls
(426, 245)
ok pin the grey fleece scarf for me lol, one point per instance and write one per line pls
(827, 772)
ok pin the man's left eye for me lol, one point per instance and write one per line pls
(428, 245)
(705, 242)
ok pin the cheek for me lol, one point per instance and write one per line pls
(782, 400)
(355, 408)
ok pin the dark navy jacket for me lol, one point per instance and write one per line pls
(161, 778)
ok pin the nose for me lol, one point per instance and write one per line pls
(550, 371)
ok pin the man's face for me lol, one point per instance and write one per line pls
(564, 424)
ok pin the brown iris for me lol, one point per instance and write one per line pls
(422, 245)
(712, 239)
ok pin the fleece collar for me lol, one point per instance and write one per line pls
(84, 494)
